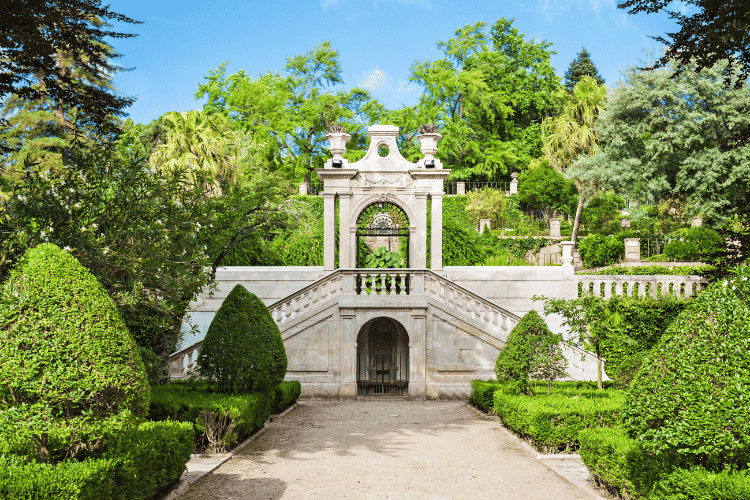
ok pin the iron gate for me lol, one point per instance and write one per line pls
(382, 373)
(382, 219)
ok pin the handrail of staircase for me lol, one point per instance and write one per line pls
(487, 313)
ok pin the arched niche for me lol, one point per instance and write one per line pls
(382, 358)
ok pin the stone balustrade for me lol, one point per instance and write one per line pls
(310, 297)
(182, 363)
(489, 315)
(640, 285)
(382, 281)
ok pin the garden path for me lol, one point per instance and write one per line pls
(383, 449)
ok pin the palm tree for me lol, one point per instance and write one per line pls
(205, 146)
(571, 135)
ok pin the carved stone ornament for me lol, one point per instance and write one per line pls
(406, 180)
(383, 197)
(356, 180)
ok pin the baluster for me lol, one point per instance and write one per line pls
(607, 289)
(494, 319)
(403, 282)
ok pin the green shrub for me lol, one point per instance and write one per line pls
(285, 394)
(219, 420)
(531, 350)
(138, 463)
(624, 372)
(690, 400)
(483, 393)
(553, 422)
(91, 479)
(651, 270)
(617, 462)
(700, 484)
(461, 246)
(69, 369)
(152, 456)
(243, 350)
(681, 250)
(598, 250)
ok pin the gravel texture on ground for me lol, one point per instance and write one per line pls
(383, 449)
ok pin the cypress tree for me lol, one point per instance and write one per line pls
(580, 66)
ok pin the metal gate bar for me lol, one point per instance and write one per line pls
(384, 374)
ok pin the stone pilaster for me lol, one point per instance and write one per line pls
(329, 231)
(345, 245)
(436, 245)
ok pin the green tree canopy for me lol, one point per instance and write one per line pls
(665, 137)
(717, 31)
(579, 67)
(41, 41)
(488, 95)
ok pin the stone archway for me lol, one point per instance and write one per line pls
(382, 223)
(382, 358)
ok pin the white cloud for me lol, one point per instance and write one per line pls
(550, 9)
(622, 21)
(419, 3)
(374, 80)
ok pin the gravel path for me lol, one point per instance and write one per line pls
(383, 449)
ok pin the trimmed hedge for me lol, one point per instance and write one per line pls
(483, 391)
(553, 422)
(651, 271)
(243, 350)
(91, 479)
(153, 457)
(240, 415)
(618, 463)
(69, 369)
(284, 395)
(690, 400)
(138, 464)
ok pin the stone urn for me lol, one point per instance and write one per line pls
(337, 141)
(428, 143)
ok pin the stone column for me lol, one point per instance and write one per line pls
(345, 248)
(461, 187)
(348, 384)
(436, 245)
(329, 231)
(420, 245)
(569, 287)
(303, 188)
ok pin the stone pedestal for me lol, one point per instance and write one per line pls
(632, 249)
(514, 183)
(303, 189)
(484, 223)
(461, 188)
(696, 222)
(554, 228)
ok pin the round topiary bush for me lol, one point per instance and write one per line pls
(243, 350)
(691, 398)
(67, 360)
(531, 350)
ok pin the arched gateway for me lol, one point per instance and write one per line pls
(383, 358)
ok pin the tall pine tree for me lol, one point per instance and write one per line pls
(581, 65)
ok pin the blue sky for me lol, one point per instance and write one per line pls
(377, 40)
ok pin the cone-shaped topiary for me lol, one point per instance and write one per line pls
(690, 401)
(531, 350)
(243, 350)
(66, 356)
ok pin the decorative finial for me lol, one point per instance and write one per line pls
(336, 128)
(428, 128)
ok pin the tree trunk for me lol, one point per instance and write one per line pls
(577, 222)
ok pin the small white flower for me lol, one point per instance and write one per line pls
(94, 225)
(67, 249)
(725, 283)
(43, 235)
